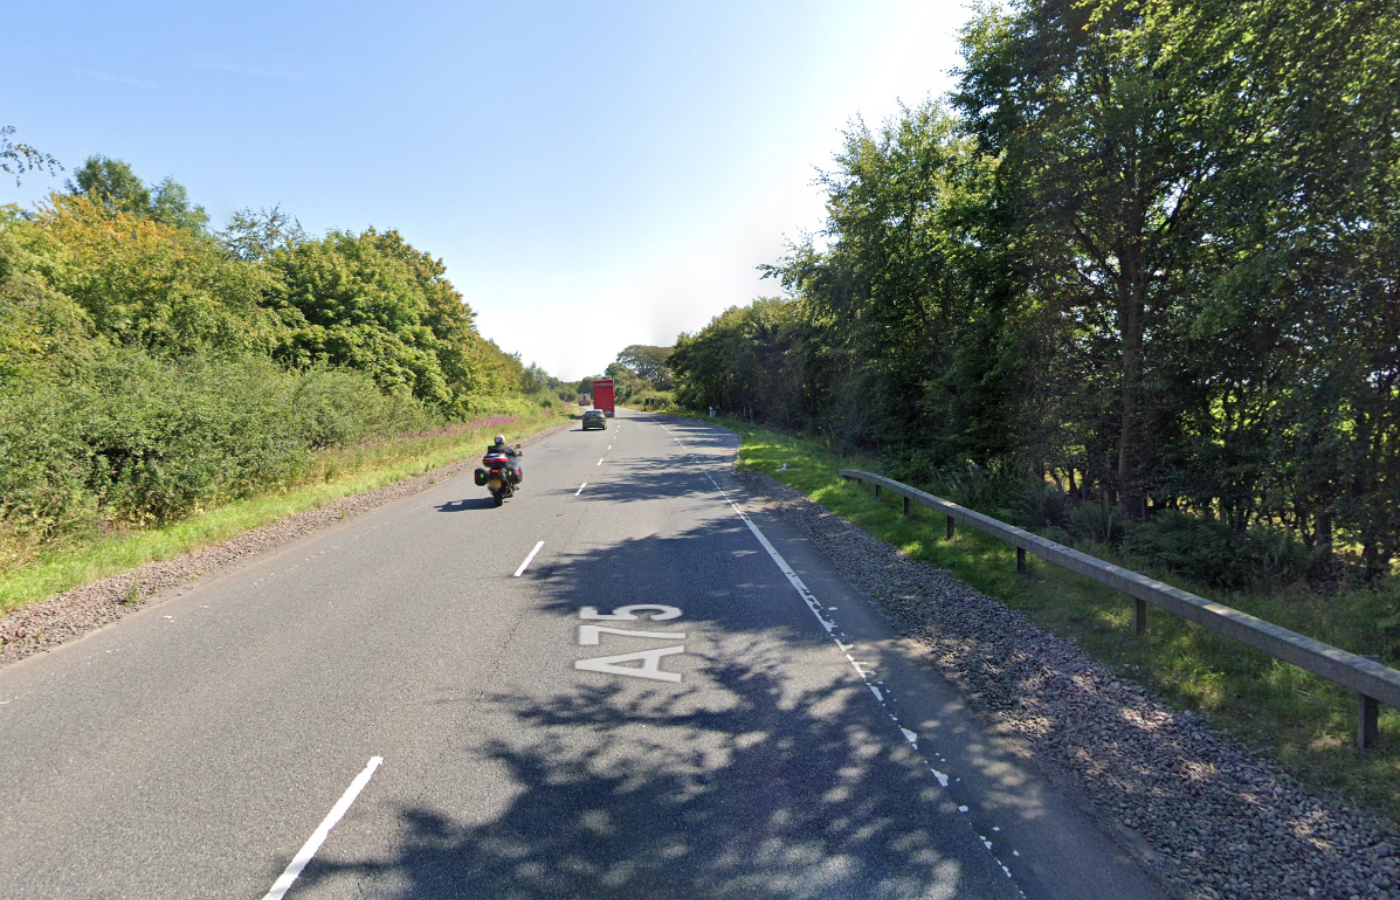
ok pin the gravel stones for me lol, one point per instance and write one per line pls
(46, 625)
(1217, 821)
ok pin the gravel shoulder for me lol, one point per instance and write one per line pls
(1228, 823)
(43, 626)
(1212, 819)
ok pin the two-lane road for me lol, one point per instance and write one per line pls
(623, 683)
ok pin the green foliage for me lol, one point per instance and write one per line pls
(1147, 254)
(114, 186)
(1303, 721)
(254, 235)
(17, 158)
(1097, 523)
(331, 474)
(150, 371)
(42, 331)
(137, 440)
(144, 283)
(648, 364)
(374, 303)
(1209, 551)
(744, 363)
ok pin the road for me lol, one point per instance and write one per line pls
(628, 682)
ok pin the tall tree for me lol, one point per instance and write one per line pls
(1099, 135)
(909, 293)
(373, 302)
(648, 363)
(252, 235)
(113, 183)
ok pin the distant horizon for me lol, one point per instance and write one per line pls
(606, 180)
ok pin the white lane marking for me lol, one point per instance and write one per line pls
(831, 629)
(318, 837)
(600, 462)
(580, 489)
(529, 558)
(588, 635)
(650, 664)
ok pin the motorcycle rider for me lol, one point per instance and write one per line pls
(499, 445)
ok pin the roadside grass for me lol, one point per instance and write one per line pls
(1302, 721)
(333, 474)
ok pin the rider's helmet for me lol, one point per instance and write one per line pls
(500, 439)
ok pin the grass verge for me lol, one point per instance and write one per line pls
(336, 473)
(1302, 721)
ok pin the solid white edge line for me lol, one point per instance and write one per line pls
(815, 607)
(580, 489)
(318, 837)
(531, 557)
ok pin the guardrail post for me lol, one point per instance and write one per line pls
(877, 492)
(1372, 682)
(1368, 721)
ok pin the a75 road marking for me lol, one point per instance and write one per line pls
(650, 660)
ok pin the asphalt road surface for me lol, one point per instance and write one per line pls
(628, 682)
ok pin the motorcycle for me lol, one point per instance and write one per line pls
(498, 474)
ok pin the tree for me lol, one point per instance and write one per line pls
(170, 203)
(253, 235)
(909, 300)
(648, 363)
(373, 302)
(18, 158)
(113, 184)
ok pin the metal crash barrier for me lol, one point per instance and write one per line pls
(1373, 682)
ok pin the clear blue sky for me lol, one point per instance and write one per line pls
(594, 175)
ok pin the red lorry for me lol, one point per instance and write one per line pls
(603, 395)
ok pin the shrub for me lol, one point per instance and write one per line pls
(988, 489)
(143, 440)
(1100, 523)
(1211, 551)
(1042, 505)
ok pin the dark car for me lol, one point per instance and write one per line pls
(594, 418)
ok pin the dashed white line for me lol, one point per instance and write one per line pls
(600, 462)
(531, 557)
(318, 837)
(831, 628)
(580, 489)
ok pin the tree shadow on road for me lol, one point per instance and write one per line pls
(768, 772)
(627, 793)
